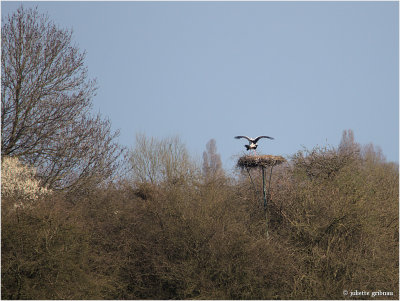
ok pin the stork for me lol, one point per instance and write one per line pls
(253, 142)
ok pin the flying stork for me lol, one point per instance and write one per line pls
(252, 142)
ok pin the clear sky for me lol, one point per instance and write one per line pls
(301, 72)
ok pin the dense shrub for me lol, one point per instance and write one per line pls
(333, 226)
(45, 252)
(343, 218)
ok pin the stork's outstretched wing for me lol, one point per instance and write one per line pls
(259, 137)
(238, 137)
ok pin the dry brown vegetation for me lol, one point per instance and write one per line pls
(172, 230)
(333, 226)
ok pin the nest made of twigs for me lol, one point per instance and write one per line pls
(250, 161)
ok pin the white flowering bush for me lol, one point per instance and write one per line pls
(18, 182)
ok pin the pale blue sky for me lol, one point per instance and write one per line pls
(301, 72)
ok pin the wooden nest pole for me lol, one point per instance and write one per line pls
(261, 161)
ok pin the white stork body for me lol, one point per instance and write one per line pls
(252, 141)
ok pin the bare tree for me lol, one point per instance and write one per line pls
(347, 145)
(212, 165)
(160, 160)
(46, 101)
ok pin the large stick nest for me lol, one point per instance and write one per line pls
(251, 161)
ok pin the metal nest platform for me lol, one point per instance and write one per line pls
(252, 161)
